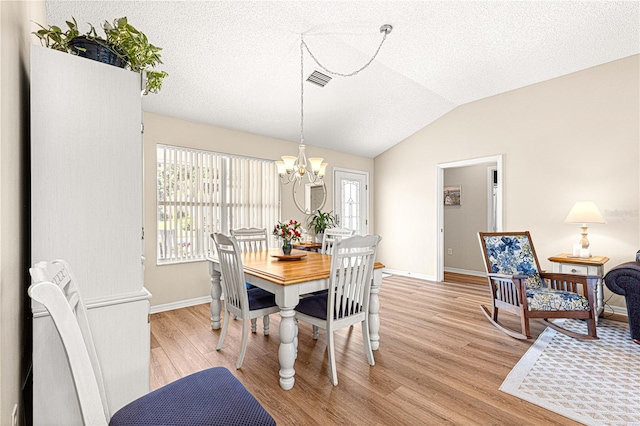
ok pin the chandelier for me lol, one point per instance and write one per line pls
(295, 168)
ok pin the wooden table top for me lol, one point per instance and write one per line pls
(568, 258)
(314, 266)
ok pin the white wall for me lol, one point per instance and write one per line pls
(174, 283)
(15, 38)
(572, 138)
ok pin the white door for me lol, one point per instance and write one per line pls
(351, 199)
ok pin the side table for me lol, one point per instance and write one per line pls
(567, 264)
(308, 246)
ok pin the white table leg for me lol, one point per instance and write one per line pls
(374, 310)
(216, 292)
(287, 351)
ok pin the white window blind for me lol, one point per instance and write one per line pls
(201, 192)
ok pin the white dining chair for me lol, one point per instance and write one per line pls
(209, 397)
(251, 239)
(243, 303)
(331, 235)
(347, 300)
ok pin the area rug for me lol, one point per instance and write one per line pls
(594, 382)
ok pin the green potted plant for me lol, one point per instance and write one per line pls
(320, 221)
(122, 46)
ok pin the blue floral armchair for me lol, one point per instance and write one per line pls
(518, 286)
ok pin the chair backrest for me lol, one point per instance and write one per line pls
(331, 235)
(511, 253)
(350, 280)
(231, 268)
(54, 287)
(251, 239)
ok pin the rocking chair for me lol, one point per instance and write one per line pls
(518, 286)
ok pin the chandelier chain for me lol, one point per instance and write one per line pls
(351, 74)
(302, 92)
(293, 169)
(303, 45)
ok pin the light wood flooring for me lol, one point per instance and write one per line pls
(440, 362)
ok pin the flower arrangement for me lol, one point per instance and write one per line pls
(288, 231)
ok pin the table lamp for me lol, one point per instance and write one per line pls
(584, 212)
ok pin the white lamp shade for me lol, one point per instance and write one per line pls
(323, 168)
(585, 212)
(315, 163)
(289, 161)
(282, 170)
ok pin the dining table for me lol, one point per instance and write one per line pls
(289, 278)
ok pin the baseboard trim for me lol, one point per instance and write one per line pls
(179, 304)
(465, 272)
(617, 310)
(409, 274)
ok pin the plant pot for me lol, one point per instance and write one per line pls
(91, 49)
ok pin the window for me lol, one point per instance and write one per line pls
(201, 192)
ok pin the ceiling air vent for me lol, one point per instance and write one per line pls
(318, 78)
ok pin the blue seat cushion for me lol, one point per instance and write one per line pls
(259, 299)
(546, 299)
(316, 306)
(208, 397)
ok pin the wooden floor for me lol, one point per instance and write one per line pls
(440, 361)
(454, 277)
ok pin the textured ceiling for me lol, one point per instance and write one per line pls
(236, 64)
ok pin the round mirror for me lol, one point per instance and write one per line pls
(309, 197)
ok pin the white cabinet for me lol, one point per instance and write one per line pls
(86, 208)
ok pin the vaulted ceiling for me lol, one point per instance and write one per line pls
(236, 64)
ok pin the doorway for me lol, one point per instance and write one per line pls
(351, 199)
(496, 189)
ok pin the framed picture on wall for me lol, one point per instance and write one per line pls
(452, 195)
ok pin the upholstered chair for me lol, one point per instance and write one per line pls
(518, 286)
(624, 279)
(206, 398)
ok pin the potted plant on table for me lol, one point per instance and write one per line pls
(123, 46)
(320, 221)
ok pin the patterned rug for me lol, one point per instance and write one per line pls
(592, 382)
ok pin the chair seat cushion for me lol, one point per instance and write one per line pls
(259, 299)
(545, 299)
(316, 306)
(208, 397)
